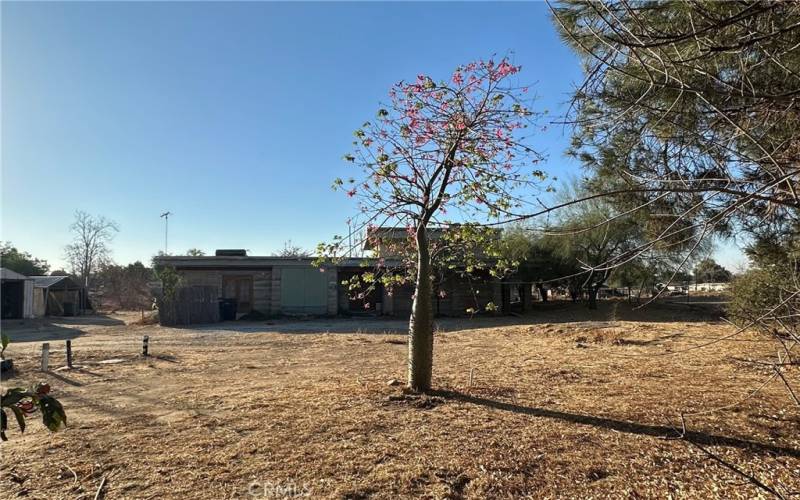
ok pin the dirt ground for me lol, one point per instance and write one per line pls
(563, 403)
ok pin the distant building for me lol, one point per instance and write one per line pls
(709, 287)
(58, 296)
(274, 286)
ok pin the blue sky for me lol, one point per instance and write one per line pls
(234, 116)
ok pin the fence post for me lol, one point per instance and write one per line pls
(145, 345)
(45, 356)
(69, 354)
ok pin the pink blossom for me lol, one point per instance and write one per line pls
(505, 69)
(458, 78)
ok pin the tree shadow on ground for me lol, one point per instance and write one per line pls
(660, 311)
(54, 328)
(41, 331)
(658, 431)
(88, 320)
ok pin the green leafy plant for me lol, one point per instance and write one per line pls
(24, 402)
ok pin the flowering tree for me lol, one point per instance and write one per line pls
(450, 149)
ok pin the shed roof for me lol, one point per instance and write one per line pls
(48, 281)
(8, 274)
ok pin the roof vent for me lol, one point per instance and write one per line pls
(231, 253)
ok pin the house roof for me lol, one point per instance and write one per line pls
(48, 281)
(8, 274)
(249, 262)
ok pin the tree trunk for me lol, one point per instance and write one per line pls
(420, 328)
(542, 292)
(593, 296)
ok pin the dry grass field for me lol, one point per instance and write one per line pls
(563, 403)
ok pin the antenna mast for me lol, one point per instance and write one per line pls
(165, 216)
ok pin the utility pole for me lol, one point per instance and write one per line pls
(165, 216)
(349, 239)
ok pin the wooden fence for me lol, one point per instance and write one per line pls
(191, 305)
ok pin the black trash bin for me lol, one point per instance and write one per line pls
(227, 309)
(69, 309)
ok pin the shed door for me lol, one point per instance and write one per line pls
(241, 289)
(304, 291)
(13, 297)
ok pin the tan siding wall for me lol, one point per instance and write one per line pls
(262, 285)
(202, 278)
(262, 292)
(267, 292)
(275, 293)
(333, 291)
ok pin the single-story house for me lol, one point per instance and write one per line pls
(709, 287)
(58, 296)
(275, 286)
(16, 295)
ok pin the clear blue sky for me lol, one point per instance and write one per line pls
(234, 116)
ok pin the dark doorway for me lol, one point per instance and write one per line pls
(13, 299)
(241, 289)
(367, 300)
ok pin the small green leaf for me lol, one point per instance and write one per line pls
(53, 416)
(12, 397)
(3, 425)
(20, 417)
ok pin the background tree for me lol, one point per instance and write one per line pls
(589, 234)
(291, 250)
(692, 107)
(90, 247)
(441, 149)
(533, 259)
(766, 295)
(195, 252)
(125, 287)
(708, 271)
(21, 262)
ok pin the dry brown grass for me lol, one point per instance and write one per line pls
(564, 403)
